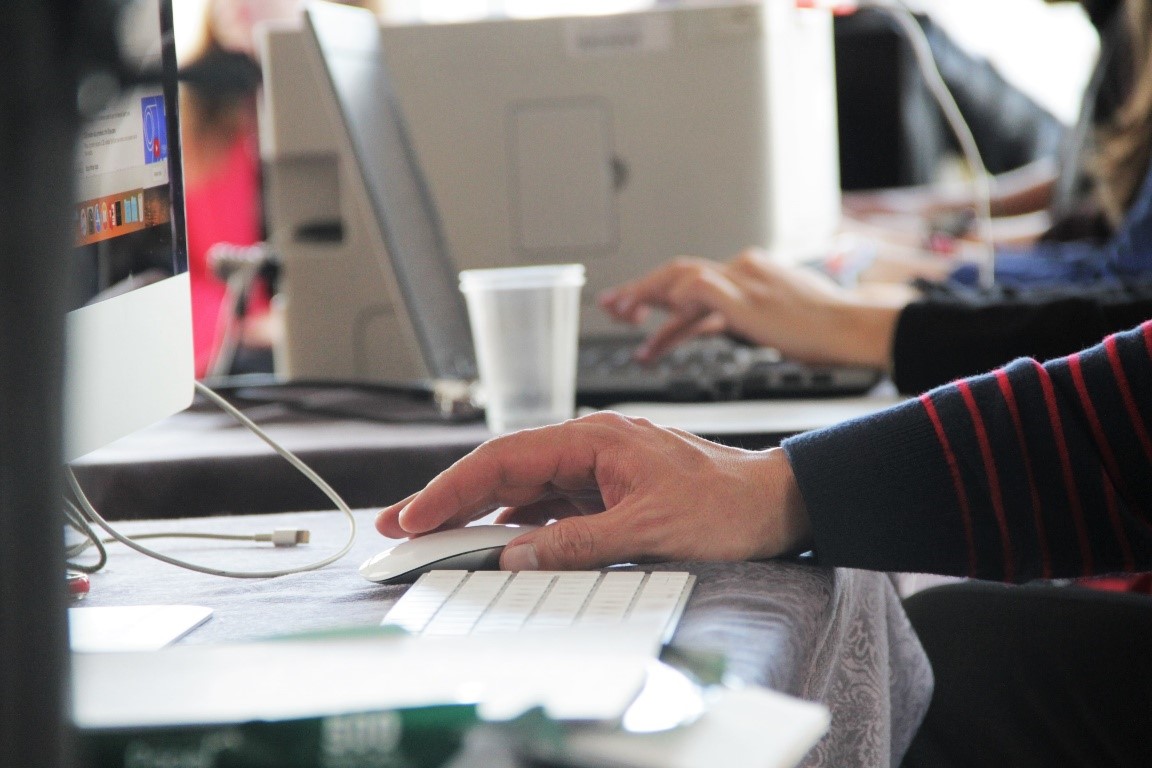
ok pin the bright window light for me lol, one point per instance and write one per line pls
(540, 8)
(471, 10)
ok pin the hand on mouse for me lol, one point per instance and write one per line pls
(621, 490)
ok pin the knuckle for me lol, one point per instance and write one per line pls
(687, 267)
(572, 541)
(746, 257)
(751, 261)
(610, 418)
(600, 420)
(601, 417)
(487, 450)
(492, 455)
(615, 421)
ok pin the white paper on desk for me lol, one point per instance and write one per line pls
(279, 680)
(745, 728)
(94, 629)
(743, 417)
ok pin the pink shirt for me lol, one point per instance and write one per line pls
(223, 207)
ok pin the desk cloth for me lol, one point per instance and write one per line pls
(836, 636)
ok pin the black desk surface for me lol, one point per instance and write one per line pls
(202, 462)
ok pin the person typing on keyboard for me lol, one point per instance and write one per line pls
(1031, 472)
(1088, 276)
(923, 337)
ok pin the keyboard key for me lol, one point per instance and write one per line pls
(613, 598)
(516, 603)
(423, 599)
(484, 602)
(465, 606)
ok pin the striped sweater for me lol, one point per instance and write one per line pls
(1030, 471)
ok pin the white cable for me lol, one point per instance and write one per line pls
(284, 452)
(981, 181)
(78, 521)
(282, 537)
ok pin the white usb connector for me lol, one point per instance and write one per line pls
(285, 537)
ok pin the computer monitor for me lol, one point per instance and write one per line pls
(129, 329)
(617, 141)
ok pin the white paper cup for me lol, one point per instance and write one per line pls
(525, 325)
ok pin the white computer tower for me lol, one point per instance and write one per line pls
(615, 141)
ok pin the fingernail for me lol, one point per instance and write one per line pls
(521, 557)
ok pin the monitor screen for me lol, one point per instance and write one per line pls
(129, 332)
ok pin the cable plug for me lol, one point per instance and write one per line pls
(285, 537)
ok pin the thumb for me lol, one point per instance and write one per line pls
(573, 543)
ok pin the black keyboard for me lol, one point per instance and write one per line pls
(714, 368)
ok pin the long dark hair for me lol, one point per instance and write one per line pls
(1126, 145)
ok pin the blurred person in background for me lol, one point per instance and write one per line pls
(934, 332)
(1085, 196)
(222, 173)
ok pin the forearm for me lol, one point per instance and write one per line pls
(1032, 471)
(1025, 190)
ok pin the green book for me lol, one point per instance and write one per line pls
(422, 737)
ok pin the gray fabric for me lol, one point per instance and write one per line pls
(835, 636)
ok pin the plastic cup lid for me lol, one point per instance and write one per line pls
(541, 276)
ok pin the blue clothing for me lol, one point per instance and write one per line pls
(1127, 254)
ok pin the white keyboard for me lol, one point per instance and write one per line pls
(473, 602)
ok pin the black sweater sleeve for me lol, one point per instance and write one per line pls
(1031, 471)
(948, 336)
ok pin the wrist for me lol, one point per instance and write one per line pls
(789, 529)
(865, 332)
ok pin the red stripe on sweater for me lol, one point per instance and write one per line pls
(957, 480)
(993, 478)
(1041, 531)
(1066, 467)
(1107, 455)
(1126, 395)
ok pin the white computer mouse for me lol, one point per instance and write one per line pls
(471, 548)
